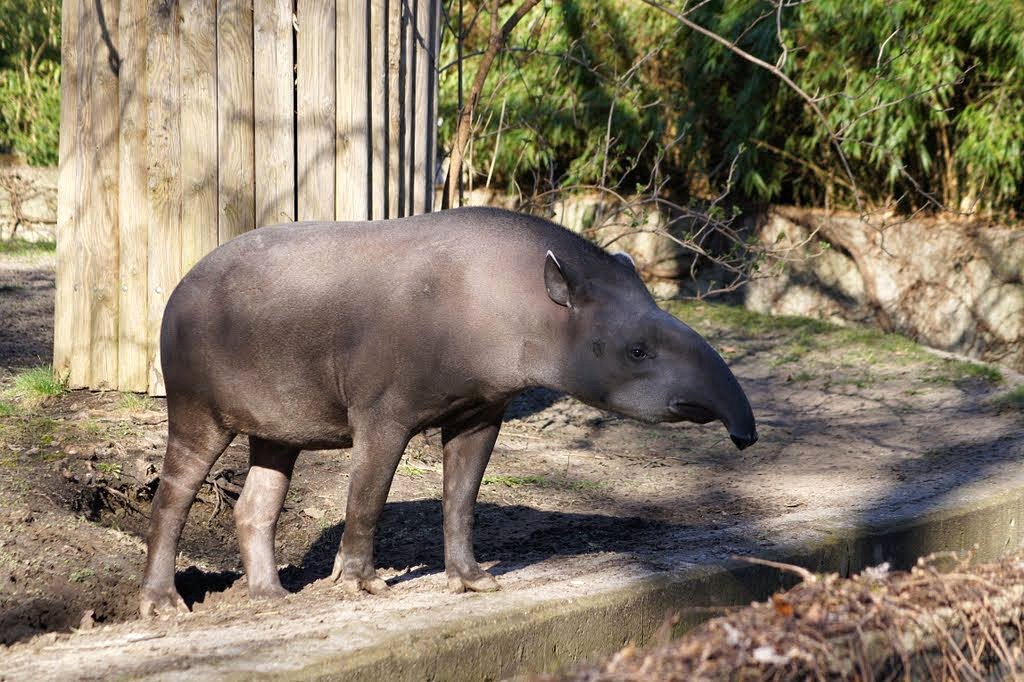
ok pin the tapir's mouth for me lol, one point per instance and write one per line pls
(691, 412)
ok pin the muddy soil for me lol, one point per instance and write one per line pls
(848, 418)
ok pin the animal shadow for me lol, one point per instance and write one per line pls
(409, 539)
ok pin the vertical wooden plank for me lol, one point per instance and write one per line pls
(198, 78)
(407, 125)
(396, 103)
(352, 194)
(273, 67)
(432, 95)
(316, 109)
(68, 192)
(377, 113)
(163, 149)
(422, 115)
(133, 310)
(235, 165)
(79, 310)
(100, 226)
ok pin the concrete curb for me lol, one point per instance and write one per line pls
(564, 632)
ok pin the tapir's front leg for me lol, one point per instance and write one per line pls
(376, 450)
(466, 452)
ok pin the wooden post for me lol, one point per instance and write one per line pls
(199, 233)
(67, 316)
(352, 196)
(377, 112)
(316, 108)
(101, 184)
(274, 108)
(163, 145)
(133, 351)
(236, 171)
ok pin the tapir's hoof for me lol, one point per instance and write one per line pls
(354, 586)
(163, 605)
(267, 592)
(483, 582)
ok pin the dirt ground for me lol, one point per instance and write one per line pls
(848, 418)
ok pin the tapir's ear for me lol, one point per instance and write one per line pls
(555, 281)
(625, 259)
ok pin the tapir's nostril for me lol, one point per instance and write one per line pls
(743, 442)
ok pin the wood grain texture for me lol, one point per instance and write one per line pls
(198, 78)
(316, 60)
(352, 196)
(235, 165)
(274, 81)
(377, 112)
(407, 124)
(68, 191)
(79, 371)
(424, 108)
(396, 104)
(163, 153)
(100, 219)
(433, 155)
(133, 307)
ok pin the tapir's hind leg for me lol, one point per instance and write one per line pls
(257, 512)
(194, 442)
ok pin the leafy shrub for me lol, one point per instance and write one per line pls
(30, 78)
(30, 113)
(924, 97)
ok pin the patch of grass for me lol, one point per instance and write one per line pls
(92, 427)
(514, 481)
(110, 468)
(7, 409)
(23, 247)
(802, 376)
(1011, 401)
(580, 484)
(696, 313)
(542, 482)
(40, 431)
(955, 371)
(81, 575)
(410, 470)
(34, 385)
(135, 402)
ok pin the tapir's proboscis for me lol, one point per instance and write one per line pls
(325, 335)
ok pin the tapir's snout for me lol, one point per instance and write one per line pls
(743, 442)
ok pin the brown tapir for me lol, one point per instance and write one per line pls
(335, 335)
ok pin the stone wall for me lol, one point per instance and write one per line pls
(954, 285)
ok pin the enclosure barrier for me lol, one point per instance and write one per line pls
(187, 122)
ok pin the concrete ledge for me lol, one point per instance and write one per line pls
(563, 632)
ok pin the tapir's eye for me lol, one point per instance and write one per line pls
(638, 352)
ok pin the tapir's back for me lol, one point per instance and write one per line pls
(322, 315)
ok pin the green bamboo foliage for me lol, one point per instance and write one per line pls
(924, 97)
(30, 78)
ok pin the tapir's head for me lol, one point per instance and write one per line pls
(628, 355)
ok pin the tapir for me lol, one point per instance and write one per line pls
(325, 335)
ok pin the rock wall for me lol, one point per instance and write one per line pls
(955, 285)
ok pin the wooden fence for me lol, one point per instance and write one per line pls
(187, 122)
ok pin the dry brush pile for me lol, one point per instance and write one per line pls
(942, 620)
